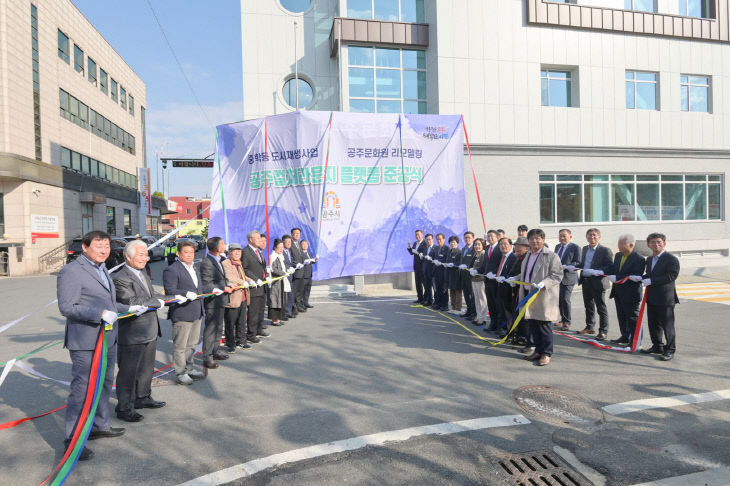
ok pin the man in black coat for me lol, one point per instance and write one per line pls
(307, 276)
(428, 253)
(137, 339)
(662, 269)
(254, 266)
(596, 261)
(493, 257)
(418, 247)
(626, 296)
(291, 311)
(467, 258)
(298, 277)
(569, 254)
(213, 280)
(503, 301)
(441, 293)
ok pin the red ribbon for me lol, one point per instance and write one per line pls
(476, 187)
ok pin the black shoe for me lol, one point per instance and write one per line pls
(230, 349)
(285, 318)
(417, 301)
(149, 403)
(243, 345)
(263, 334)
(666, 356)
(86, 454)
(289, 316)
(492, 328)
(308, 306)
(301, 309)
(100, 434)
(220, 356)
(653, 350)
(601, 336)
(130, 416)
(253, 339)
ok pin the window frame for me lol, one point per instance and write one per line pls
(569, 79)
(636, 82)
(79, 66)
(91, 77)
(688, 85)
(64, 54)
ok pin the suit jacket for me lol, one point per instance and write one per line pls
(479, 263)
(602, 260)
(546, 269)
(296, 257)
(177, 281)
(428, 266)
(308, 269)
(571, 256)
(442, 253)
(415, 250)
(662, 290)
(453, 274)
(506, 266)
(82, 298)
(467, 256)
(493, 261)
(634, 265)
(254, 269)
(130, 291)
(212, 277)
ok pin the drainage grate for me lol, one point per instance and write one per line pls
(538, 468)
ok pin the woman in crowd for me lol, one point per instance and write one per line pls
(280, 288)
(453, 278)
(477, 281)
(235, 313)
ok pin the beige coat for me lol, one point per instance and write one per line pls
(547, 269)
(237, 296)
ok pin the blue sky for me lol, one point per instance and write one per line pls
(206, 36)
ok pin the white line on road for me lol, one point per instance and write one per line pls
(346, 301)
(257, 465)
(666, 402)
(711, 477)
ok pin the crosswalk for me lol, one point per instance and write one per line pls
(717, 292)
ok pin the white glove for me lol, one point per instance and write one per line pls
(589, 272)
(612, 278)
(646, 282)
(299, 265)
(462, 266)
(290, 271)
(191, 295)
(491, 276)
(450, 265)
(570, 268)
(268, 269)
(409, 245)
(472, 271)
(181, 299)
(259, 282)
(428, 258)
(511, 282)
(636, 278)
(539, 285)
(162, 303)
(245, 285)
(110, 317)
(138, 310)
(501, 279)
(437, 263)
(217, 291)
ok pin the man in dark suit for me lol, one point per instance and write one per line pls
(467, 258)
(569, 254)
(291, 311)
(493, 257)
(308, 270)
(662, 269)
(183, 281)
(137, 335)
(87, 299)
(428, 254)
(441, 293)
(254, 266)
(627, 296)
(417, 250)
(503, 301)
(298, 277)
(596, 261)
(213, 280)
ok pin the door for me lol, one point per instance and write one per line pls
(87, 217)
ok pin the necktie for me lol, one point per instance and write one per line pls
(489, 253)
(501, 262)
(258, 255)
(144, 283)
(560, 252)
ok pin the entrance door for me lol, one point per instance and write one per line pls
(87, 217)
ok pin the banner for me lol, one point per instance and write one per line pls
(386, 176)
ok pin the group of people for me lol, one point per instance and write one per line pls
(236, 284)
(485, 274)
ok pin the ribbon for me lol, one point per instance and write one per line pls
(403, 171)
(19, 319)
(324, 181)
(266, 188)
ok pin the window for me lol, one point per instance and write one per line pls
(696, 8)
(131, 105)
(187, 211)
(127, 222)
(114, 90)
(76, 161)
(123, 98)
(36, 81)
(78, 59)
(103, 81)
(556, 88)
(296, 6)
(595, 198)
(63, 50)
(65, 157)
(392, 10)
(111, 221)
(695, 93)
(641, 90)
(2, 214)
(640, 5)
(298, 100)
(91, 68)
(387, 80)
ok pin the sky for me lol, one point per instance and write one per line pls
(206, 37)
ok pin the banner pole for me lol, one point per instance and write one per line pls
(220, 179)
(266, 186)
(403, 175)
(324, 183)
(474, 174)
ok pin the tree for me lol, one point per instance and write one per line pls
(158, 194)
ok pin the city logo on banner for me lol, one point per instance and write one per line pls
(331, 207)
(435, 133)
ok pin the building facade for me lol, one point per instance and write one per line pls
(582, 113)
(187, 209)
(71, 135)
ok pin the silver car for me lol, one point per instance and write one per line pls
(155, 253)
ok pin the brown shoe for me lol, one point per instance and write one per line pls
(210, 364)
(544, 360)
(558, 324)
(532, 357)
(587, 330)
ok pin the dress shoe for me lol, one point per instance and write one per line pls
(253, 339)
(565, 327)
(587, 330)
(243, 345)
(263, 334)
(620, 341)
(666, 356)
(230, 349)
(653, 350)
(210, 364)
(533, 357)
(435, 306)
(220, 356)
(196, 374)
(527, 350)
(301, 309)
(601, 336)
(444, 309)
(149, 402)
(184, 379)
(130, 416)
(285, 318)
(417, 301)
(308, 306)
(111, 432)
(86, 454)
(544, 360)
(491, 328)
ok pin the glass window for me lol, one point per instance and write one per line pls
(111, 220)
(640, 5)
(595, 177)
(362, 82)
(555, 88)
(414, 59)
(391, 10)
(569, 198)
(695, 8)
(414, 85)
(623, 202)
(385, 10)
(73, 106)
(76, 161)
(102, 171)
(672, 201)
(91, 68)
(63, 99)
(63, 50)
(388, 106)
(131, 105)
(387, 83)
(78, 59)
(714, 203)
(306, 93)
(127, 222)
(65, 157)
(641, 90)
(387, 58)
(360, 9)
(695, 93)
(362, 106)
(596, 202)
(94, 168)
(569, 177)
(114, 90)
(296, 6)
(415, 107)
(647, 202)
(695, 201)
(360, 56)
(412, 11)
(103, 81)
(547, 203)
(123, 98)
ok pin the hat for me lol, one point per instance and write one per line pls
(522, 241)
(234, 246)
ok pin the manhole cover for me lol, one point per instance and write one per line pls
(557, 405)
(544, 468)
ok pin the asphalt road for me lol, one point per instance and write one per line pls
(366, 366)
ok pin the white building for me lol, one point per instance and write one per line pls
(71, 134)
(605, 113)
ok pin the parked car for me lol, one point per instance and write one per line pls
(198, 239)
(116, 255)
(156, 253)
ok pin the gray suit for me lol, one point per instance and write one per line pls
(82, 298)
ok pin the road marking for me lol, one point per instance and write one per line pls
(718, 292)
(666, 402)
(252, 467)
(351, 301)
(711, 477)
